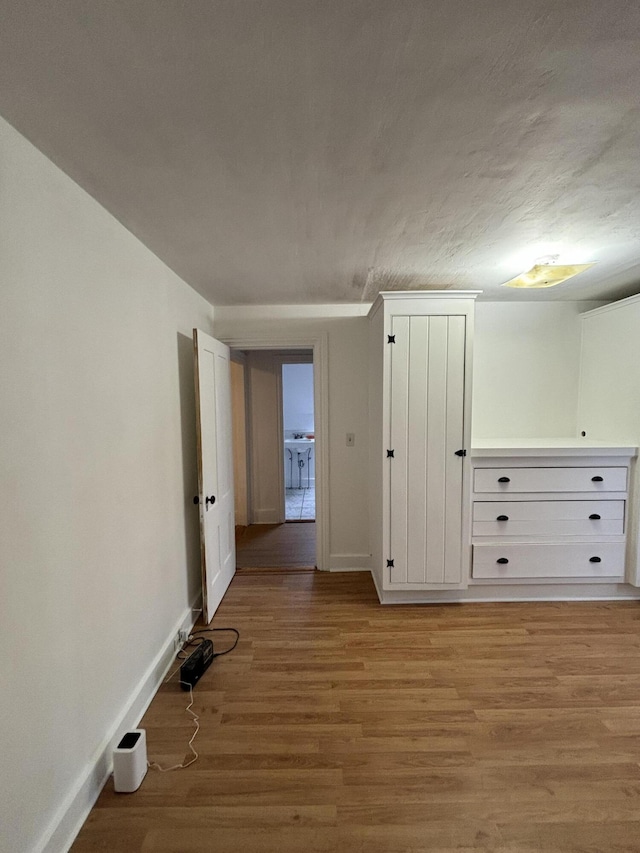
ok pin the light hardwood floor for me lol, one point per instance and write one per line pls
(341, 725)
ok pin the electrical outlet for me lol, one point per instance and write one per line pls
(179, 640)
(351, 439)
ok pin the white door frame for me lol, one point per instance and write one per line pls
(319, 344)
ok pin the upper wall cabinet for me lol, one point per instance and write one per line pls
(420, 394)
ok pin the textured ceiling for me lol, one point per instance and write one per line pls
(323, 150)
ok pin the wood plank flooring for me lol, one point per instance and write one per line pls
(291, 545)
(341, 725)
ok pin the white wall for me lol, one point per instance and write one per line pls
(239, 434)
(99, 539)
(266, 492)
(348, 398)
(297, 397)
(526, 367)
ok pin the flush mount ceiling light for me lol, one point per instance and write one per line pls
(546, 273)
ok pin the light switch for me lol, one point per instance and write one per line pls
(351, 439)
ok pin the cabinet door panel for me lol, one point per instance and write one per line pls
(417, 455)
(398, 441)
(433, 568)
(427, 408)
(454, 440)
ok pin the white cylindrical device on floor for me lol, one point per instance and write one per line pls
(130, 761)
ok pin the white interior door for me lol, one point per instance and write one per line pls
(215, 469)
(426, 430)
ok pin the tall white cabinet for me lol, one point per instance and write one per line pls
(420, 396)
(609, 401)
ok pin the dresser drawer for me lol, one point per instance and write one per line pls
(548, 518)
(509, 480)
(571, 560)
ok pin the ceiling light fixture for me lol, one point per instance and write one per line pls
(547, 272)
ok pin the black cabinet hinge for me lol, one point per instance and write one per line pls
(461, 452)
(390, 454)
(389, 564)
(391, 339)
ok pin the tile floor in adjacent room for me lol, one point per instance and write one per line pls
(300, 504)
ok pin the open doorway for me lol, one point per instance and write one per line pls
(273, 397)
(299, 441)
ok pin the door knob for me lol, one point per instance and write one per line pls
(210, 500)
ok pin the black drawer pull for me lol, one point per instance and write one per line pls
(595, 560)
(502, 560)
(504, 480)
(595, 517)
(502, 518)
(596, 479)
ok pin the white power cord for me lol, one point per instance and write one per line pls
(196, 721)
(196, 718)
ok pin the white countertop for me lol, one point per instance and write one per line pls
(550, 447)
(299, 440)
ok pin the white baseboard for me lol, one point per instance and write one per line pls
(349, 562)
(377, 586)
(504, 593)
(71, 815)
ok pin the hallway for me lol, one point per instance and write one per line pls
(285, 546)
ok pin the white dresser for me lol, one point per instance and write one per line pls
(549, 511)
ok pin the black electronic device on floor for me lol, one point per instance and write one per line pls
(196, 664)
